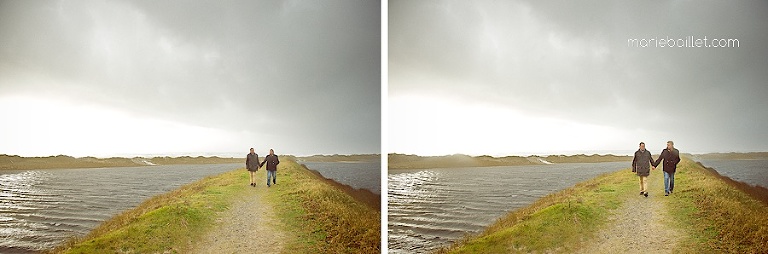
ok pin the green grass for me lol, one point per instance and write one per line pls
(165, 223)
(717, 217)
(559, 222)
(318, 217)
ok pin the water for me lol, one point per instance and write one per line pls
(754, 172)
(39, 209)
(434, 207)
(359, 175)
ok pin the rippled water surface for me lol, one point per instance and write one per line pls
(753, 172)
(41, 208)
(434, 207)
(359, 175)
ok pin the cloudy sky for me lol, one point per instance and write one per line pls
(560, 77)
(123, 78)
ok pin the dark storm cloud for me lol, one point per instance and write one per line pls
(571, 60)
(306, 73)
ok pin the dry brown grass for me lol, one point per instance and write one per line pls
(719, 214)
(327, 219)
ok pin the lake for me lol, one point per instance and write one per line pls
(754, 172)
(358, 175)
(430, 208)
(40, 209)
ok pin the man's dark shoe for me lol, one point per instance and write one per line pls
(641, 193)
(666, 194)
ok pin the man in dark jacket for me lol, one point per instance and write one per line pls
(641, 164)
(252, 165)
(671, 157)
(271, 161)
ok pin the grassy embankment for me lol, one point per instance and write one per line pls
(720, 215)
(14, 162)
(401, 161)
(715, 215)
(319, 218)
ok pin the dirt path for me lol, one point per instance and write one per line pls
(249, 226)
(642, 225)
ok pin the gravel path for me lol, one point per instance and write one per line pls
(642, 225)
(250, 226)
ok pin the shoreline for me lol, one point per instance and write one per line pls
(755, 191)
(15, 162)
(365, 196)
(319, 215)
(714, 212)
(340, 158)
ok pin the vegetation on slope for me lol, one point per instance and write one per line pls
(320, 218)
(718, 215)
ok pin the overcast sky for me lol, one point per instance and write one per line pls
(122, 78)
(558, 77)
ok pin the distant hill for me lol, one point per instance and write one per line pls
(341, 158)
(581, 158)
(731, 156)
(195, 160)
(64, 161)
(402, 161)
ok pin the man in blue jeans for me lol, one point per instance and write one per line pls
(671, 157)
(271, 161)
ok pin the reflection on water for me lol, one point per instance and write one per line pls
(754, 172)
(432, 208)
(41, 208)
(359, 175)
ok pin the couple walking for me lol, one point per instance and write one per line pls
(252, 165)
(643, 162)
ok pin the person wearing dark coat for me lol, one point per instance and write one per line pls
(671, 157)
(252, 165)
(641, 165)
(271, 161)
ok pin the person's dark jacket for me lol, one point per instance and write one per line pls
(642, 162)
(252, 162)
(671, 158)
(271, 161)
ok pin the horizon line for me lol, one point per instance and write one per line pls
(177, 155)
